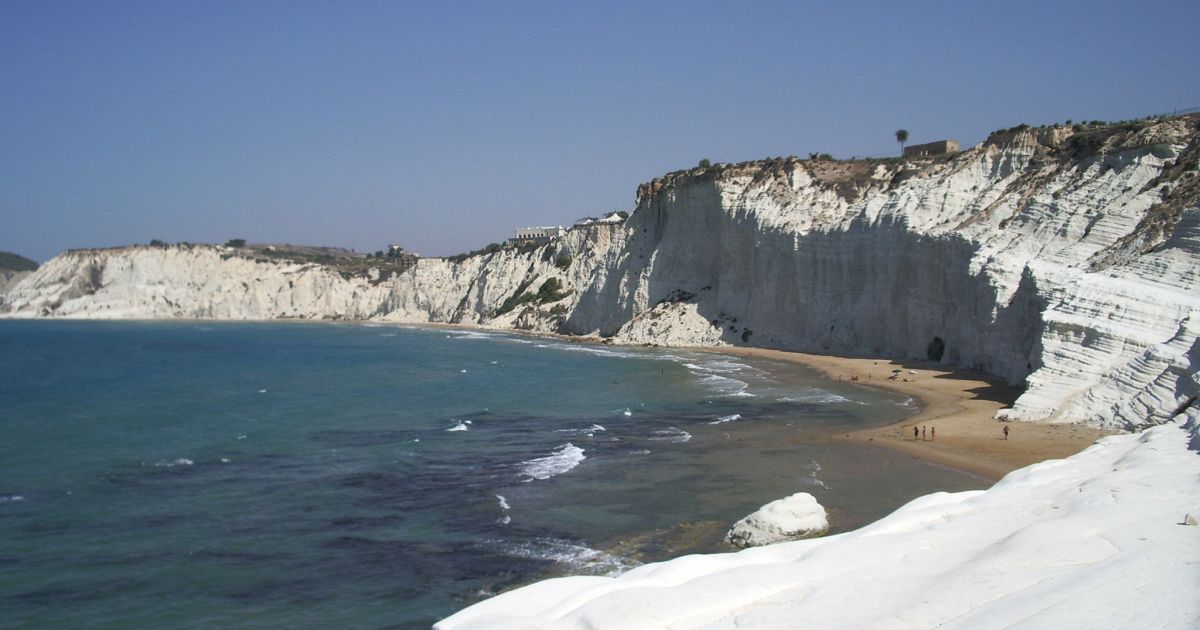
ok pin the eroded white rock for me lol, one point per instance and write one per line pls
(790, 518)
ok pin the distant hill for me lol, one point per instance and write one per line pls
(13, 262)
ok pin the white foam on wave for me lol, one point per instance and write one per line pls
(558, 462)
(725, 386)
(590, 431)
(461, 426)
(671, 434)
(810, 477)
(503, 503)
(722, 366)
(816, 397)
(580, 558)
(729, 418)
(12, 498)
(171, 463)
(471, 334)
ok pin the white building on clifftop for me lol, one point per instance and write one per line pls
(537, 234)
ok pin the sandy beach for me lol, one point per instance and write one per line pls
(957, 411)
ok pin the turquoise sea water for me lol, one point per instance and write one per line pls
(195, 474)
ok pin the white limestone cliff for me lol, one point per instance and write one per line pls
(1065, 259)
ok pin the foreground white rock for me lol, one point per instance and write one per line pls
(789, 518)
(1093, 541)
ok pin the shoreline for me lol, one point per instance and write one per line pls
(959, 404)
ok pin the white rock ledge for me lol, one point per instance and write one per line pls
(790, 518)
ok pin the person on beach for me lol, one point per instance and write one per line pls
(1006, 432)
(933, 433)
(922, 434)
(915, 431)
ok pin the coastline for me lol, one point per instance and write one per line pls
(960, 404)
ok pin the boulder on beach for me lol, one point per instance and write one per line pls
(789, 518)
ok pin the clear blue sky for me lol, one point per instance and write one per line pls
(444, 125)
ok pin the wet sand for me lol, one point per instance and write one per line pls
(956, 406)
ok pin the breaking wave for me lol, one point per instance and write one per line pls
(729, 418)
(816, 397)
(558, 462)
(671, 434)
(809, 478)
(580, 558)
(171, 463)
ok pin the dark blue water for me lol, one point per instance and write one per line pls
(192, 474)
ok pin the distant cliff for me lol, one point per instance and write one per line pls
(1064, 258)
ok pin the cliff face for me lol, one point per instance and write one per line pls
(1065, 259)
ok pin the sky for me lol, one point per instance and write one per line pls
(442, 126)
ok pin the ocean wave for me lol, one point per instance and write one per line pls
(580, 558)
(722, 366)
(816, 397)
(729, 418)
(471, 334)
(12, 498)
(671, 434)
(724, 385)
(810, 478)
(171, 463)
(503, 503)
(558, 462)
(589, 432)
(461, 426)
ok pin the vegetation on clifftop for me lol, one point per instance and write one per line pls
(14, 262)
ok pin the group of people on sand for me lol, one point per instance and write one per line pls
(920, 431)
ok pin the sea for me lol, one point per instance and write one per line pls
(195, 474)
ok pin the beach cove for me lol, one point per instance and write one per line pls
(960, 404)
(395, 475)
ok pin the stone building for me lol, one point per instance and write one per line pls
(941, 147)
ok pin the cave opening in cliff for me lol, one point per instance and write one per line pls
(935, 349)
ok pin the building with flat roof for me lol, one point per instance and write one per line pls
(537, 234)
(941, 147)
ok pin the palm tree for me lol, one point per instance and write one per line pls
(901, 137)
